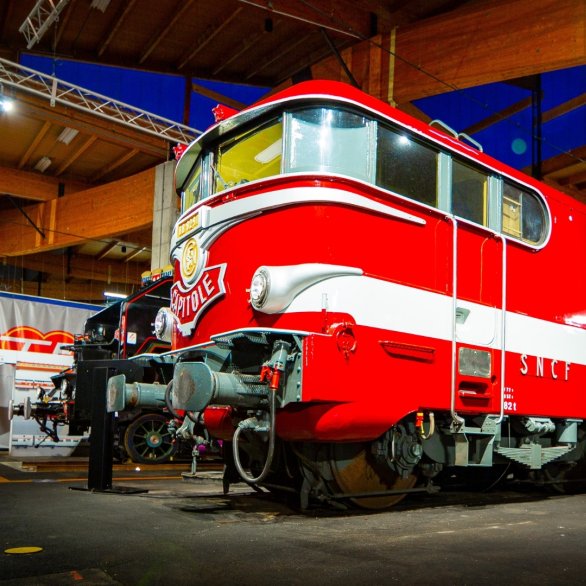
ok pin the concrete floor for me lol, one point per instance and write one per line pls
(188, 532)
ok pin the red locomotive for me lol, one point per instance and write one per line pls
(363, 302)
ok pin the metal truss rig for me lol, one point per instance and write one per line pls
(55, 90)
(40, 19)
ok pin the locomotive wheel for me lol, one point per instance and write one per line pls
(565, 479)
(148, 441)
(354, 472)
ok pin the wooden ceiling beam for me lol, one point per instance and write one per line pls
(133, 254)
(200, 89)
(105, 211)
(108, 131)
(575, 178)
(164, 30)
(328, 14)
(479, 43)
(414, 111)
(572, 191)
(499, 116)
(75, 155)
(114, 165)
(564, 108)
(80, 267)
(201, 42)
(139, 238)
(34, 186)
(107, 249)
(34, 144)
(279, 54)
(562, 161)
(239, 50)
(117, 23)
(488, 42)
(62, 22)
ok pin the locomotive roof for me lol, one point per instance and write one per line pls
(334, 91)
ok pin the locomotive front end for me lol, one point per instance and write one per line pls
(275, 202)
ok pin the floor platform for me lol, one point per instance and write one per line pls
(177, 531)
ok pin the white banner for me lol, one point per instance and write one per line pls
(39, 325)
(33, 331)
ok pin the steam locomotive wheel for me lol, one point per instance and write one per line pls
(148, 441)
(355, 471)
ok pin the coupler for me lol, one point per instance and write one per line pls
(122, 395)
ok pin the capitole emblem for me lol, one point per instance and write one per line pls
(198, 287)
(190, 260)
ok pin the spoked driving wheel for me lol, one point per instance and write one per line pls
(148, 440)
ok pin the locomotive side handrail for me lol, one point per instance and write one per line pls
(503, 323)
(455, 417)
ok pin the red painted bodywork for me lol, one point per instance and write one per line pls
(358, 395)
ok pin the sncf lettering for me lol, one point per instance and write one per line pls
(542, 367)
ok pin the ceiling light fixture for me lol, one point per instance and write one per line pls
(67, 135)
(113, 295)
(43, 164)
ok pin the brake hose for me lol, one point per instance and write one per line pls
(249, 479)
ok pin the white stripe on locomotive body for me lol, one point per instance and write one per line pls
(213, 221)
(391, 306)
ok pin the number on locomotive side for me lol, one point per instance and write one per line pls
(510, 405)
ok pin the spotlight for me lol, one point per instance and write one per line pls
(6, 105)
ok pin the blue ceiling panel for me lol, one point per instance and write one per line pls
(510, 139)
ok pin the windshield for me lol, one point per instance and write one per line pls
(324, 140)
(253, 155)
(192, 192)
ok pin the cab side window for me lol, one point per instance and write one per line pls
(469, 193)
(523, 215)
(406, 166)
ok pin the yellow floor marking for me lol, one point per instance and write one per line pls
(129, 478)
(22, 550)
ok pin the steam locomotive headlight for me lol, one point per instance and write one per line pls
(259, 288)
(163, 325)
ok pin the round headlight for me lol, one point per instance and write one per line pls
(163, 325)
(259, 287)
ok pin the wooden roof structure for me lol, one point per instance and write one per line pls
(396, 50)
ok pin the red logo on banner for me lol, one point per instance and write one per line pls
(29, 339)
(189, 305)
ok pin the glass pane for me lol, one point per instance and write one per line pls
(523, 214)
(253, 155)
(469, 189)
(406, 166)
(324, 140)
(192, 193)
(512, 211)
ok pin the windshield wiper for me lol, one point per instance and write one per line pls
(219, 177)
